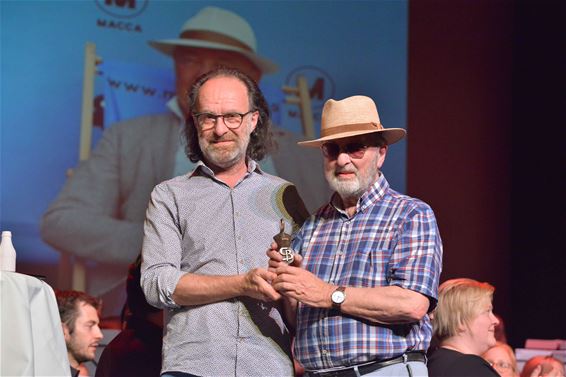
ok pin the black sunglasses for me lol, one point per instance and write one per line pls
(354, 150)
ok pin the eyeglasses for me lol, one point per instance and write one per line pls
(354, 150)
(500, 364)
(207, 121)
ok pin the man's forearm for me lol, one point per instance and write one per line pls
(194, 289)
(387, 305)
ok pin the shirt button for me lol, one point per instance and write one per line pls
(325, 352)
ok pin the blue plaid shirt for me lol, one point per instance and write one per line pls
(392, 240)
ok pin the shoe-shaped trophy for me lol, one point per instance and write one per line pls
(283, 241)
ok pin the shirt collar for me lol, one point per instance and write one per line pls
(375, 193)
(202, 168)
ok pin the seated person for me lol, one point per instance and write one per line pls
(543, 366)
(464, 324)
(502, 358)
(136, 351)
(79, 314)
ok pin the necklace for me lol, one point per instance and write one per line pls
(447, 346)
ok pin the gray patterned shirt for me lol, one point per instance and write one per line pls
(197, 224)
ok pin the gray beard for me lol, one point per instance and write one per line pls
(347, 189)
(222, 158)
(354, 188)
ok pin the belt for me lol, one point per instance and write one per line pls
(368, 368)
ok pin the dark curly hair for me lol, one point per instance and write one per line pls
(261, 141)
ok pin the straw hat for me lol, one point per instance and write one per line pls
(352, 116)
(217, 29)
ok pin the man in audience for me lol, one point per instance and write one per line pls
(502, 358)
(100, 211)
(372, 258)
(79, 319)
(136, 350)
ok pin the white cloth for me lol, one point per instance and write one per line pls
(31, 336)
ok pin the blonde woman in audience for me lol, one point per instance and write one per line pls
(502, 358)
(464, 325)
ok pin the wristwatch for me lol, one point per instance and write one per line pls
(338, 297)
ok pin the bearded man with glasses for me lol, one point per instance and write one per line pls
(205, 236)
(368, 265)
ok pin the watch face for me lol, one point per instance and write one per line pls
(338, 297)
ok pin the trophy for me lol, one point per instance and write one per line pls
(283, 241)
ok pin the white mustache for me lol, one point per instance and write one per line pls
(221, 139)
(345, 170)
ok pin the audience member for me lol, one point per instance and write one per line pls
(543, 366)
(502, 358)
(464, 325)
(99, 213)
(136, 350)
(205, 233)
(372, 258)
(79, 319)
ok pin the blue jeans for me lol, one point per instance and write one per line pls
(410, 369)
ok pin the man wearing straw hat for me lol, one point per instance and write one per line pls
(99, 213)
(370, 260)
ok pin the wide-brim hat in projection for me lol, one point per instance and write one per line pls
(218, 29)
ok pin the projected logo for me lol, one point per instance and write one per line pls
(122, 8)
(320, 87)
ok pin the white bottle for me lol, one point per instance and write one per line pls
(7, 253)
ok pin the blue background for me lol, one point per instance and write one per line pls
(360, 46)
